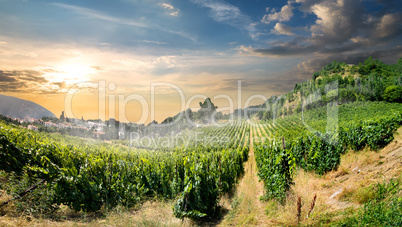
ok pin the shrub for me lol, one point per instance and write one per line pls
(393, 93)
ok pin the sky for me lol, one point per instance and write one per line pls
(143, 60)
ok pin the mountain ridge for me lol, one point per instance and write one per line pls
(20, 108)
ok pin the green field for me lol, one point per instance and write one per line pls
(197, 167)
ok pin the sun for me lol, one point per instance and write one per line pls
(69, 72)
(73, 72)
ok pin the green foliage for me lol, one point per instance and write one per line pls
(384, 210)
(375, 134)
(316, 152)
(334, 67)
(393, 93)
(366, 82)
(200, 195)
(12, 159)
(38, 203)
(87, 176)
(205, 180)
(346, 95)
(275, 166)
(315, 140)
(316, 75)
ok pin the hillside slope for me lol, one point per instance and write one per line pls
(19, 108)
(342, 193)
(340, 83)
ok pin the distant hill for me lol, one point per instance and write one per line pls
(337, 82)
(15, 107)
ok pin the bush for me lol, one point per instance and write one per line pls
(200, 196)
(317, 152)
(346, 95)
(393, 93)
(275, 166)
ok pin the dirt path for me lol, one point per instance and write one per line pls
(246, 207)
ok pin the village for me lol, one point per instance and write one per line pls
(48, 124)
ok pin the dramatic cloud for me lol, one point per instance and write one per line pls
(284, 15)
(35, 82)
(389, 25)
(202, 46)
(6, 76)
(344, 30)
(21, 81)
(337, 22)
(316, 63)
(226, 13)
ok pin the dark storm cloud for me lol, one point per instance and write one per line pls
(345, 30)
(341, 26)
(389, 56)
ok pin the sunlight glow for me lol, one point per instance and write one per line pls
(75, 72)
(70, 73)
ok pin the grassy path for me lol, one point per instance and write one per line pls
(246, 207)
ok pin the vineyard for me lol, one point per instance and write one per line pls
(202, 165)
(232, 135)
(195, 171)
(89, 176)
(314, 140)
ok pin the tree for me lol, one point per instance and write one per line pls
(346, 95)
(315, 75)
(393, 93)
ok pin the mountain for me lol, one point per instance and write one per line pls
(15, 107)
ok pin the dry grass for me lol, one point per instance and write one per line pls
(306, 186)
(340, 192)
(398, 136)
(4, 196)
(152, 213)
(245, 206)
